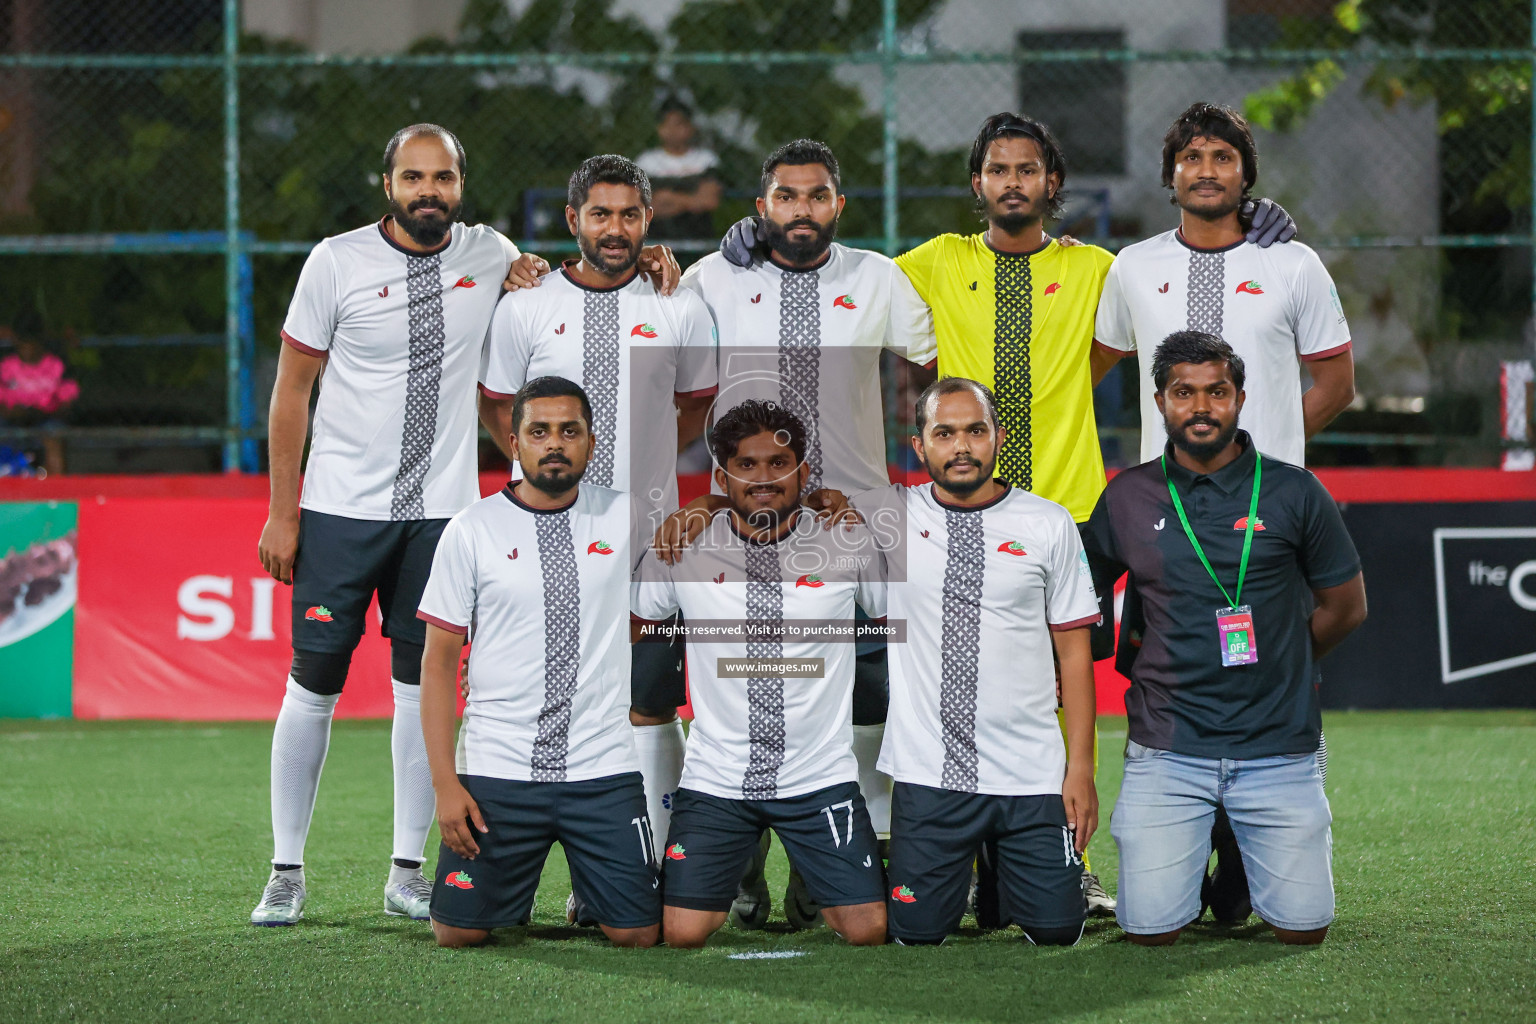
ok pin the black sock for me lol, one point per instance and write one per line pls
(401, 862)
(287, 867)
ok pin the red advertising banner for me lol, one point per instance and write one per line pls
(177, 620)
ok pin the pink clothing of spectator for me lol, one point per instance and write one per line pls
(39, 385)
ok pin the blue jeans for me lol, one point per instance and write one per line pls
(1162, 825)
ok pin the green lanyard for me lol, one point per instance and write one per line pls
(1253, 512)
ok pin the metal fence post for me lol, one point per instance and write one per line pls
(232, 248)
(888, 59)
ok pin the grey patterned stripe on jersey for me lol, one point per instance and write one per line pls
(964, 566)
(562, 644)
(600, 379)
(1207, 280)
(765, 696)
(800, 360)
(428, 334)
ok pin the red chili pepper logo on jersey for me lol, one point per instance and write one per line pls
(1012, 547)
(1053, 288)
(643, 330)
(904, 894)
(675, 852)
(467, 281)
(809, 580)
(459, 880)
(845, 301)
(599, 547)
(1242, 524)
(1249, 288)
(319, 613)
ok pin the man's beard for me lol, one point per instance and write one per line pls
(1011, 222)
(591, 251)
(799, 253)
(1230, 204)
(424, 231)
(554, 475)
(961, 488)
(761, 517)
(1201, 450)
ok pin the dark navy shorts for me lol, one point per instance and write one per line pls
(936, 835)
(600, 823)
(826, 834)
(341, 562)
(658, 684)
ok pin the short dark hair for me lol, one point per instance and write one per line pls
(749, 419)
(798, 154)
(548, 387)
(1212, 121)
(1194, 347)
(951, 386)
(673, 105)
(1007, 126)
(607, 169)
(410, 131)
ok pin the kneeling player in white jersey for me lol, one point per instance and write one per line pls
(646, 360)
(772, 740)
(539, 573)
(994, 584)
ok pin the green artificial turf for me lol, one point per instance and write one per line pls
(135, 852)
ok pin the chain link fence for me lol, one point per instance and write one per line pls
(164, 167)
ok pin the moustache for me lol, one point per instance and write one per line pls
(618, 240)
(803, 222)
(962, 460)
(427, 204)
(1199, 421)
(554, 460)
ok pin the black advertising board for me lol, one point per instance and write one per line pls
(1452, 594)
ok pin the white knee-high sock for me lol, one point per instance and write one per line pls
(660, 748)
(299, 742)
(415, 806)
(874, 784)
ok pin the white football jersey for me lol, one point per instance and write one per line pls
(543, 597)
(766, 737)
(631, 349)
(394, 429)
(1273, 306)
(810, 340)
(973, 690)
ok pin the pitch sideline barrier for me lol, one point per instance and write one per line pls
(175, 618)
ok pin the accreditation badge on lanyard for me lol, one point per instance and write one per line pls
(1234, 624)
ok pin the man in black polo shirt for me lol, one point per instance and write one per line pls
(1247, 576)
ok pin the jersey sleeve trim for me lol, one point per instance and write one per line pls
(488, 393)
(1327, 353)
(442, 623)
(1112, 349)
(713, 389)
(318, 353)
(1062, 627)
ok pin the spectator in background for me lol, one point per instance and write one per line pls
(682, 175)
(34, 393)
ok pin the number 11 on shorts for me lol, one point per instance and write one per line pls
(647, 844)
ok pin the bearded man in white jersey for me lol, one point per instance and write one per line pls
(647, 361)
(537, 577)
(1277, 307)
(395, 314)
(804, 327)
(771, 745)
(995, 588)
